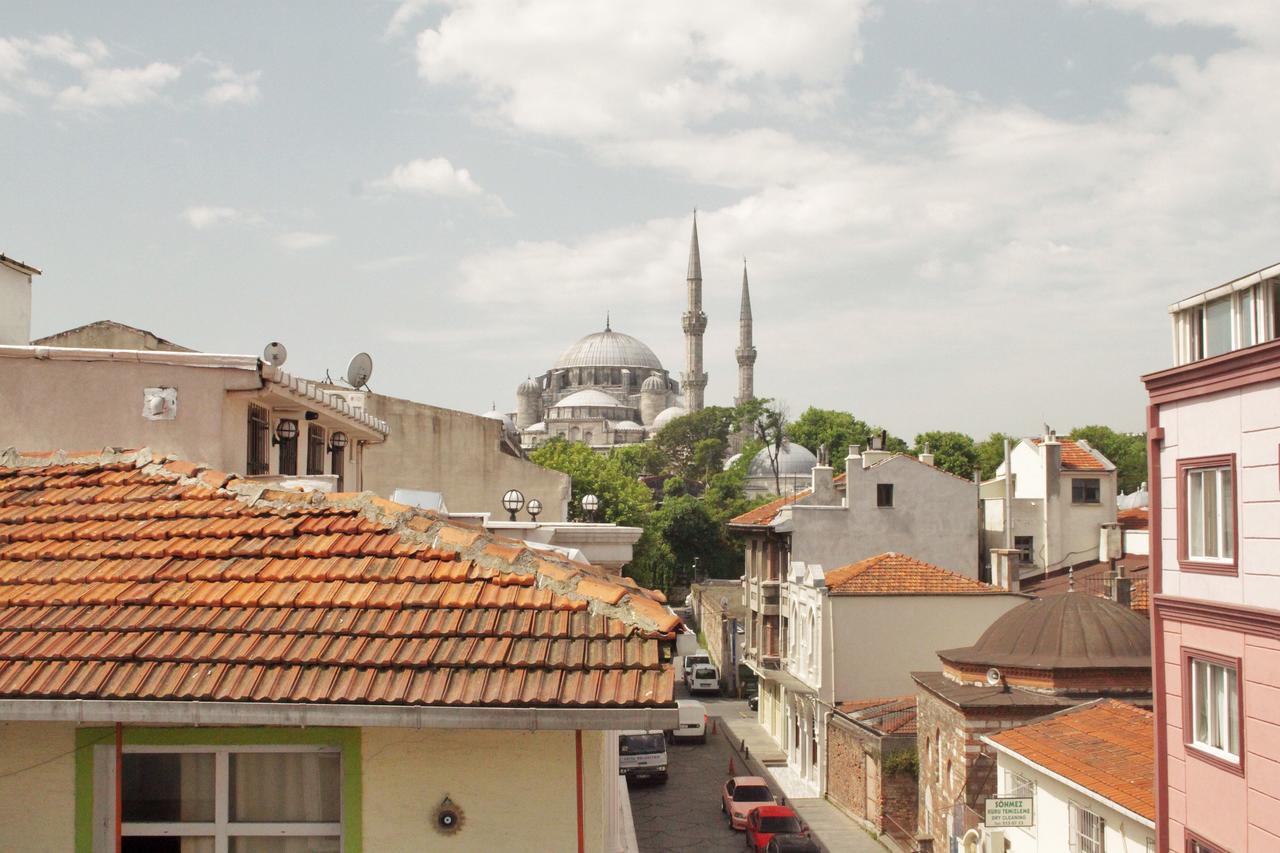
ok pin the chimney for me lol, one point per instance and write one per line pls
(1004, 569)
(877, 453)
(15, 301)
(824, 489)
(925, 456)
(854, 460)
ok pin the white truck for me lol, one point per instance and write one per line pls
(642, 755)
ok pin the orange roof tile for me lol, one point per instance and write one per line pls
(128, 577)
(1138, 518)
(1075, 457)
(895, 715)
(764, 515)
(898, 574)
(1105, 746)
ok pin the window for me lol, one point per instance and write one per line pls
(1196, 845)
(289, 451)
(1084, 830)
(1217, 327)
(337, 466)
(1207, 524)
(259, 441)
(239, 801)
(1214, 706)
(1014, 784)
(1086, 490)
(1026, 548)
(884, 494)
(315, 449)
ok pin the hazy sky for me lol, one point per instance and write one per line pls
(965, 215)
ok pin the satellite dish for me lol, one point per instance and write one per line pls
(993, 676)
(360, 369)
(275, 354)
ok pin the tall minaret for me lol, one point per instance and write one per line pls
(746, 351)
(695, 323)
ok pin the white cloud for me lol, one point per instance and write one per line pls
(404, 14)
(436, 176)
(201, 217)
(117, 87)
(296, 241)
(231, 87)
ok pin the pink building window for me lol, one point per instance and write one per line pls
(1196, 844)
(1207, 518)
(1213, 708)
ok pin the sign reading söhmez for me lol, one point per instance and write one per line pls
(1010, 811)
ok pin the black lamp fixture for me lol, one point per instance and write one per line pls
(286, 430)
(338, 440)
(590, 503)
(512, 502)
(535, 508)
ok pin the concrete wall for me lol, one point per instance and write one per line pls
(934, 518)
(1124, 834)
(516, 789)
(15, 307)
(458, 454)
(874, 655)
(37, 787)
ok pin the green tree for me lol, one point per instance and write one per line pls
(1127, 450)
(837, 430)
(953, 452)
(991, 453)
(623, 499)
(694, 446)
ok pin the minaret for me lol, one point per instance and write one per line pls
(694, 323)
(746, 351)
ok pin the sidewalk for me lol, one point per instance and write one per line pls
(834, 831)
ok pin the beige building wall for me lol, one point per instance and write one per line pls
(459, 454)
(108, 334)
(37, 787)
(517, 790)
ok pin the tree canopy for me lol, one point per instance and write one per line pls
(1127, 450)
(837, 430)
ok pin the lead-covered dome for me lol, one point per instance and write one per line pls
(654, 383)
(793, 459)
(530, 387)
(609, 349)
(666, 416)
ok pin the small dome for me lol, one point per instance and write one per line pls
(1074, 630)
(793, 460)
(609, 349)
(587, 397)
(540, 426)
(529, 387)
(627, 426)
(654, 383)
(495, 415)
(666, 416)
(728, 463)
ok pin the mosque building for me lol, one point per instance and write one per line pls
(610, 389)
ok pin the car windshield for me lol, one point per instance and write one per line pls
(785, 823)
(704, 672)
(640, 744)
(752, 794)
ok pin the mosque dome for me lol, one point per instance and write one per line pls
(587, 397)
(627, 426)
(609, 349)
(666, 416)
(654, 383)
(495, 415)
(793, 460)
(529, 386)
(540, 426)
(728, 463)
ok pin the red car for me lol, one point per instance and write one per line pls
(741, 794)
(764, 822)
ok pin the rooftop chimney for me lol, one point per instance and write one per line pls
(877, 453)
(824, 489)
(15, 301)
(925, 456)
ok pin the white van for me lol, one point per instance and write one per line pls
(705, 678)
(693, 721)
(642, 755)
(690, 661)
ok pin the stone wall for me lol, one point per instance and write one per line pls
(851, 753)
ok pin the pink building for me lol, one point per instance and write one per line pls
(1214, 440)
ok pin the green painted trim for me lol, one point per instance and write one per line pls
(348, 740)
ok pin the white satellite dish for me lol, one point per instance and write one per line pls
(360, 369)
(275, 354)
(993, 676)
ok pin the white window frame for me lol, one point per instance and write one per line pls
(221, 829)
(1223, 516)
(1014, 784)
(1081, 820)
(1220, 717)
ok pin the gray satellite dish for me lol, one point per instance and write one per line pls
(275, 354)
(360, 369)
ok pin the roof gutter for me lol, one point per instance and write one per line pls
(193, 713)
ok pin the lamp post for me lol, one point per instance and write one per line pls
(590, 503)
(535, 508)
(512, 502)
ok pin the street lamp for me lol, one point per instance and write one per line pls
(535, 507)
(512, 501)
(590, 503)
(286, 430)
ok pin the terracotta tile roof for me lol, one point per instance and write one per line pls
(1075, 457)
(124, 576)
(898, 574)
(1105, 746)
(1138, 518)
(764, 515)
(895, 715)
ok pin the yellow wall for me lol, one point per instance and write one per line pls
(37, 787)
(516, 789)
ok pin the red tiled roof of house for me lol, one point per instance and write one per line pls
(895, 715)
(1077, 458)
(763, 515)
(128, 577)
(1105, 746)
(898, 574)
(1138, 518)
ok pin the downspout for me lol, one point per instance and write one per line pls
(119, 796)
(577, 745)
(1155, 577)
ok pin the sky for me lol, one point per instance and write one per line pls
(955, 215)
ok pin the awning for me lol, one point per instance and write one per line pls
(787, 680)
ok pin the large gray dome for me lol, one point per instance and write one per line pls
(793, 459)
(609, 349)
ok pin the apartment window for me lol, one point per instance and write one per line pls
(1213, 706)
(1026, 548)
(259, 433)
(315, 449)
(1217, 327)
(1085, 830)
(238, 801)
(1086, 490)
(289, 451)
(1208, 521)
(884, 494)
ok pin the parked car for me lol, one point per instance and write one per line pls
(705, 679)
(792, 843)
(693, 721)
(741, 794)
(642, 755)
(766, 822)
(753, 701)
(690, 661)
